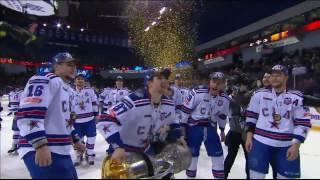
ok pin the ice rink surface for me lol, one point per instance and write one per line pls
(12, 167)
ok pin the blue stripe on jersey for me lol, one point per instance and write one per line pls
(300, 138)
(126, 102)
(142, 104)
(227, 97)
(302, 122)
(13, 103)
(33, 108)
(34, 135)
(185, 110)
(38, 117)
(49, 144)
(52, 77)
(297, 94)
(85, 115)
(251, 114)
(39, 81)
(170, 104)
(274, 135)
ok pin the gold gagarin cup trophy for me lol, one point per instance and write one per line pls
(173, 158)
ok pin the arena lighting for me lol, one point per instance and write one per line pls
(88, 67)
(68, 26)
(58, 25)
(81, 29)
(163, 10)
(45, 25)
(312, 26)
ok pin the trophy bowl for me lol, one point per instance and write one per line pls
(134, 166)
(137, 165)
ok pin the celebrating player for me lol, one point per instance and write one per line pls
(277, 124)
(114, 96)
(45, 124)
(202, 109)
(131, 124)
(86, 109)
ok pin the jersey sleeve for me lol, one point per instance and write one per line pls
(110, 123)
(187, 107)
(252, 112)
(94, 101)
(301, 121)
(34, 103)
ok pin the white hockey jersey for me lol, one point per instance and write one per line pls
(278, 119)
(132, 123)
(219, 110)
(103, 94)
(113, 97)
(184, 92)
(85, 105)
(177, 97)
(196, 107)
(44, 115)
(201, 108)
(14, 99)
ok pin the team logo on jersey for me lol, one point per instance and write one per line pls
(220, 103)
(33, 124)
(287, 101)
(82, 106)
(121, 93)
(86, 94)
(276, 121)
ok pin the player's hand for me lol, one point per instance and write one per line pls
(182, 142)
(249, 142)
(80, 147)
(293, 152)
(118, 155)
(222, 136)
(43, 157)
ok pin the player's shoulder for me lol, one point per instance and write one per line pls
(89, 89)
(167, 101)
(225, 96)
(293, 92)
(137, 95)
(262, 91)
(201, 89)
(138, 98)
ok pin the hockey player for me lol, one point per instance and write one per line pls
(202, 110)
(115, 95)
(14, 98)
(86, 109)
(277, 124)
(45, 124)
(131, 124)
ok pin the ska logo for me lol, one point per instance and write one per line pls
(287, 101)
